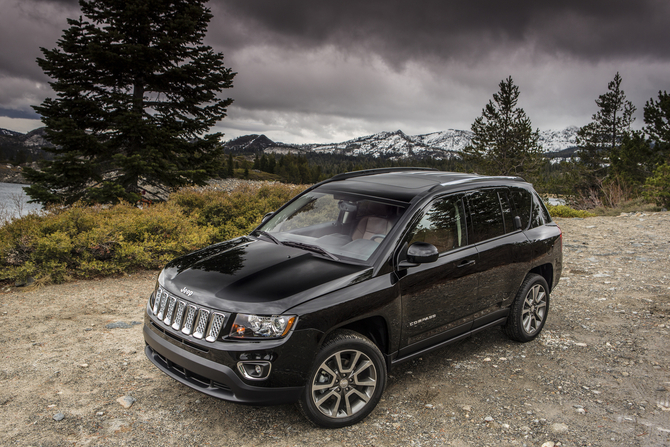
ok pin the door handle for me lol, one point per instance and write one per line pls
(466, 263)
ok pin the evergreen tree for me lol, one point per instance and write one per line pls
(657, 120)
(610, 125)
(632, 161)
(504, 142)
(136, 92)
(231, 166)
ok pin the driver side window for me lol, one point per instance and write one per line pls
(443, 225)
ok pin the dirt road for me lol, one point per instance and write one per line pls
(599, 375)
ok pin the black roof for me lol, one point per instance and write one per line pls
(404, 184)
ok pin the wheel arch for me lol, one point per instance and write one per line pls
(374, 328)
(547, 272)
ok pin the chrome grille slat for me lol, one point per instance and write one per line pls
(190, 319)
(187, 318)
(161, 310)
(215, 327)
(179, 316)
(170, 311)
(157, 300)
(201, 324)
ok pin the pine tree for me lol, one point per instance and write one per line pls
(657, 120)
(504, 142)
(632, 161)
(610, 125)
(136, 92)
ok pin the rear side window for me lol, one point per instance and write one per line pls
(486, 215)
(523, 202)
(443, 225)
(540, 213)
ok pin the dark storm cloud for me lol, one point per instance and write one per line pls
(323, 71)
(436, 29)
(21, 114)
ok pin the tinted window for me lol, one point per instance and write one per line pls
(540, 210)
(523, 202)
(507, 210)
(486, 215)
(443, 225)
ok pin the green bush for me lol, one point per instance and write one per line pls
(86, 242)
(566, 211)
(657, 187)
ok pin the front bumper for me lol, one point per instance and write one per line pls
(211, 378)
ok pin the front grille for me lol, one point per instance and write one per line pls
(181, 315)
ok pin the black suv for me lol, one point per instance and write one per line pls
(356, 274)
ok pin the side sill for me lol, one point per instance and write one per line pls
(398, 361)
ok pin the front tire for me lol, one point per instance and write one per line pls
(529, 309)
(346, 383)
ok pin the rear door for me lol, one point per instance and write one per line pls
(500, 246)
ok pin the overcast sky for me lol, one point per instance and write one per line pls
(322, 71)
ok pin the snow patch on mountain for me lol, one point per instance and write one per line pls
(558, 140)
(436, 144)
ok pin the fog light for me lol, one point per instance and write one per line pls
(254, 370)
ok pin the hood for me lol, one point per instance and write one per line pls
(255, 276)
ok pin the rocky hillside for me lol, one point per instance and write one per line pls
(20, 148)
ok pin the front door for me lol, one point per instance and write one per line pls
(438, 297)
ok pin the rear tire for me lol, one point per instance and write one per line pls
(529, 309)
(346, 382)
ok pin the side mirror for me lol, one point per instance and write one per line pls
(267, 217)
(422, 252)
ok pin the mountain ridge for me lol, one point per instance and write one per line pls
(397, 144)
(388, 144)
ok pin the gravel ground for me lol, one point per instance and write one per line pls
(74, 371)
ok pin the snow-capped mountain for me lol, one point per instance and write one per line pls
(9, 133)
(442, 144)
(558, 140)
(387, 144)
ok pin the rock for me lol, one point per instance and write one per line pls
(59, 416)
(467, 408)
(126, 401)
(122, 325)
(582, 345)
(83, 365)
(429, 405)
(488, 419)
(558, 427)
(548, 444)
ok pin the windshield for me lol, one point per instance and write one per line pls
(338, 226)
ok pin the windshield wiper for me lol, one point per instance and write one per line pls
(311, 247)
(269, 236)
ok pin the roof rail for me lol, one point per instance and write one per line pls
(375, 171)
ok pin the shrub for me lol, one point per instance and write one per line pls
(657, 187)
(86, 242)
(566, 211)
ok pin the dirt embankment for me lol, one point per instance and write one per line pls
(599, 375)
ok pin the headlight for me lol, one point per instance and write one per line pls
(259, 326)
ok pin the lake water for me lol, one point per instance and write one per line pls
(11, 195)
